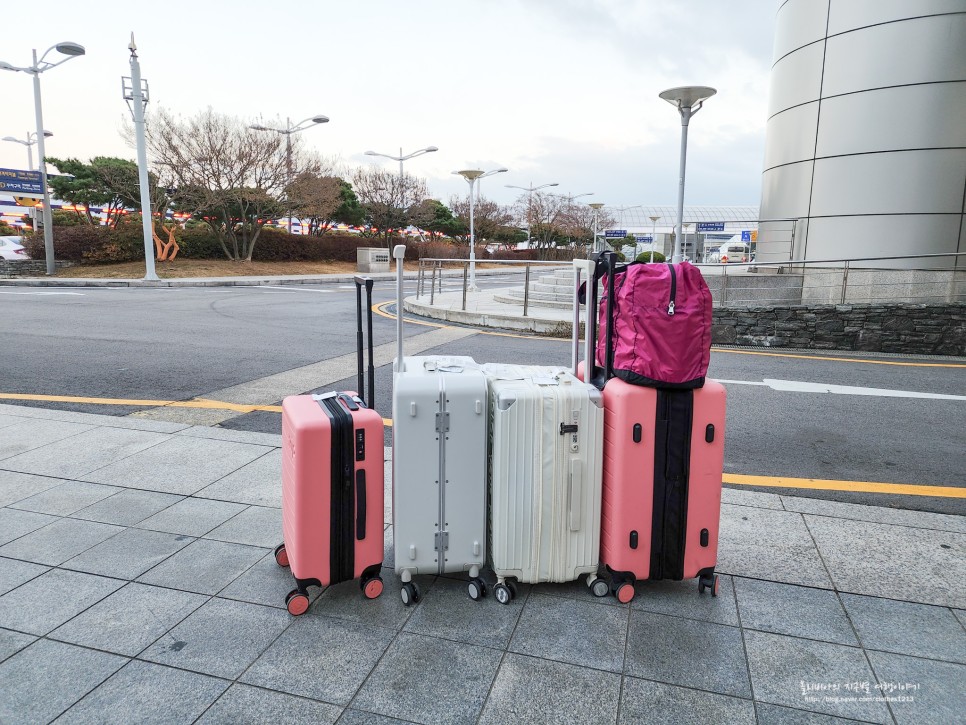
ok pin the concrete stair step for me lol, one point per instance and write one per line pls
(552, 304)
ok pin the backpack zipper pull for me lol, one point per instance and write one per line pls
(670, 308)
(674, 279)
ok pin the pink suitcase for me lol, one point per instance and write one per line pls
(332, 488)
(663, 464)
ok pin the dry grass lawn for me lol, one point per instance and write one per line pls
(206, 268)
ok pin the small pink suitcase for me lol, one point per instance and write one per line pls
(332, 488)
(663, 464)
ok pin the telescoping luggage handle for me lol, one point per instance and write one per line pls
(367, 283)
(592, 268)
(399, 253)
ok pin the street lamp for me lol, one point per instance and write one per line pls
(570, 205)
(400, 159)
(31, 140)
(70, 50)
(653, 235)
(596, 206)
(530, 189)
(287, 132)
(688, 100)
(472, 176)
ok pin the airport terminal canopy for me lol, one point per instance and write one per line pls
(638, 218)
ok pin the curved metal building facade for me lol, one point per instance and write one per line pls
(865, 150)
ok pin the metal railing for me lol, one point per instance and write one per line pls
(798, 281)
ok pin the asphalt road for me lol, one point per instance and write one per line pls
(183, 343)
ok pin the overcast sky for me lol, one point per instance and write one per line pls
(556, 90)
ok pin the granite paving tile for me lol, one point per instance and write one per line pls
(875, 514)
(938, 694)
(244, 704)
(961, 616)
(644, 701)
(66, 498)
(220, 638)
(44, 679)
(906, 628)
(682, 599)
(265, 583)
(30, 434)
(191, 516)
(14, 523)
(45, 603)
(12, 642)
(146, 694)
(273, 440)
(358, 717)
(793, 610)
(256, 525)
(528, 690)
(346, 601)
(575, 589)
(448, 612)
(16, 486)
(58, 541)
(128, 507)
(782, 668)
(776, 715)
(85, 452)
(91, 419)
(571, 631)
(203, 566)
(906, 563)
(430, 680)
(128, 554)
(259, 483)
(7, 420)
(13, 573)
(320, 657)
(129, 619)
(749, 546)
(687, 652)
(740, 497)
(179, 465)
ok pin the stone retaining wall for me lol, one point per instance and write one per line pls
(10, 268)
(938, 329)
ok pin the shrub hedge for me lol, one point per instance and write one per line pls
(646, 257)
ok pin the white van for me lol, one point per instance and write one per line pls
(733, 251)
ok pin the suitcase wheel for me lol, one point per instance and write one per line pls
(409, 594)
(625, 592)
(504, 592)
(476, 589)
(372, 588)
(708, 582)
(296, 602)
(281, 556)
(600, 588)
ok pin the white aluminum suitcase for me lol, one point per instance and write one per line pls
(546, 439)
(438, 465)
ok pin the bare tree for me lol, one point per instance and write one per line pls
(387, 198)
(225, 173)
(489, 218)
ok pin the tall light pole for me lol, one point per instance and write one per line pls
(570, 206)
(688, 100)
(530, 189)
(71, 50)
(596, 206)
(400, 159)
(653, 235)
(29, 143)
(472, 176)
(287, 132)
(135, 91)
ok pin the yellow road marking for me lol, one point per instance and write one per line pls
(856, 486)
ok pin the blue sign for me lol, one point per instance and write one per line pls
(644, 238)
(13, 181)
(615, 233)
(746, 236)
(710, 226)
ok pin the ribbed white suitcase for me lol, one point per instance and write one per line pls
(546, 441)
(438, 465)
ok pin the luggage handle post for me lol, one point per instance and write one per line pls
(585, 265)
(611, 258)
(367, 283)
(399, 253)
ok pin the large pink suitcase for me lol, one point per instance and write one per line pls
(332, 489)
(663, 465)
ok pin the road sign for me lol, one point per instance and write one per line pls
(644, 238)
(20, 183)
(746, 236)
(615, 233)
(710, 226)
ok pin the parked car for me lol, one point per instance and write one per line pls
(11, 248)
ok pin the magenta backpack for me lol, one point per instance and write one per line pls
(660, 324)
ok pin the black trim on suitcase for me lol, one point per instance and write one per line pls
(341, 530)
(672, 453)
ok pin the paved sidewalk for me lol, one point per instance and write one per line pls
(137, 584)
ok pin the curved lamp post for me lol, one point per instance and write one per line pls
(688, 100)
(287, 132)
(472, 176)
(654, 220)
(596, 206)
(70, 50)
(530, 189)
(400, 159)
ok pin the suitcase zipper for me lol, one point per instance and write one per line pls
(674, 286)
(341, 555)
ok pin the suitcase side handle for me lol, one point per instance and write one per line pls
(576, 495)
(361, 504)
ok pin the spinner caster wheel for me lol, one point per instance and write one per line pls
(625, 592)
(372, 588)
(409, 593)
(476, 589)
(511, 585)
(296, 602)
(503, 593)
(600, 588)
(281, 556)
(708, 582)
